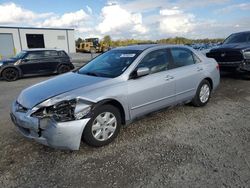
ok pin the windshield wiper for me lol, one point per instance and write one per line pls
(91, 73)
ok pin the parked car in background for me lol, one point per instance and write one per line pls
(234, 53)
(35, 62)
(112, 90)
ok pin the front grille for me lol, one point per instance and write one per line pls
(226, 56)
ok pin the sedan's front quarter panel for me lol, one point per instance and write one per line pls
(115, 91)
(47, 131)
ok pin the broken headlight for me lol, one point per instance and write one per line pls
(246, 54)
(64, 111)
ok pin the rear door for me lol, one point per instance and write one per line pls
(188, 72)
(153, 91)
(63, 57)
(51, 61)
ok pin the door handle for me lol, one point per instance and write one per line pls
(199, 68)
(168, 77)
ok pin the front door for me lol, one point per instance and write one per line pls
(34, 63)
(153, 91)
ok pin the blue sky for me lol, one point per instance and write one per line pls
(141, 19)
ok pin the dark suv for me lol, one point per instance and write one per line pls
(234, 53)
(35, 62)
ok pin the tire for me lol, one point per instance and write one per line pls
(92, 50)
(63, 69)
(10, 74)
(202, 99)
(97, 132)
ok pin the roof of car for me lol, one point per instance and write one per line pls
(137, 47)
(242, 32)
(42, 49)
(147, 46)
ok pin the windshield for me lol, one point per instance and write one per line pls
(238, 38)
(110, 64)
(20, 55)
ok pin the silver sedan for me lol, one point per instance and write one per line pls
(112, 90)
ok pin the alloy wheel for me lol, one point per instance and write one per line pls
(204, 93)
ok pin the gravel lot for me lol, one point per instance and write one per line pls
(179, 147)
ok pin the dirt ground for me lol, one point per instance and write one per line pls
(179, 147)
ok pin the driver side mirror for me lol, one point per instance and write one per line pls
(142, 71)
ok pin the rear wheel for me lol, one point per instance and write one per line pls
(10, 74)
(63, 69)
(203, 94)
(103, 127)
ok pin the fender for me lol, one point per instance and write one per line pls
(117, 104)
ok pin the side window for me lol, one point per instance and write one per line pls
(182, 57)
(50, 53)
(156, 61)
(35, 55)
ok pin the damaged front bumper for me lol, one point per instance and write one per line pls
(245, 66)
(237, 65)
(60, 135)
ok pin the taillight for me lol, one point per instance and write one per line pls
(218, 67)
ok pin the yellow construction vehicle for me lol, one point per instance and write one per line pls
(92, 45)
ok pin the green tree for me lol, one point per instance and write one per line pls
(107, 40)
(78, 41)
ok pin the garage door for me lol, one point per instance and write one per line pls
(6, 45)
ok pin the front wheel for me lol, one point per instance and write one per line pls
(10, 74)
(93, 50)
(203, 94)
(103, 127)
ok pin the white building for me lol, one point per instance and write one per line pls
(16, 39)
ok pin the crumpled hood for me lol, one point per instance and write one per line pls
(236, 46)
(40, 92)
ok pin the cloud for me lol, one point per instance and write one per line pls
(220, 29)
(142, 19)
(90, 11)
(186, 4)
(72, 19)
(176, 22)
(115, 19)
(149, 5)
(10, 13)
(235, 7)
(145, 5)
